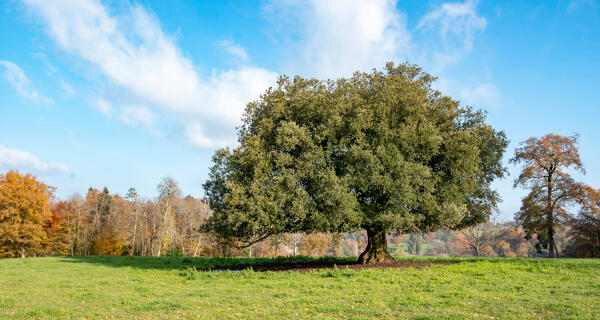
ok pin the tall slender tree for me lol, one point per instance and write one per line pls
(133, 198)
(168, 191)
(547, 162)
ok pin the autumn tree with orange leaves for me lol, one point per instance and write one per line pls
(546, 164)
(24, 213)
(585, 229)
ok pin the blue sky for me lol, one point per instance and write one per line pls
(120, 93)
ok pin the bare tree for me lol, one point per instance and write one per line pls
(477, 236)
(168, 191)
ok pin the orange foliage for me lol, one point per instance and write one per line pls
(57, 241)
(504, 249)
(586, 227)
(24, 211)
(487, 251)
(110, 244)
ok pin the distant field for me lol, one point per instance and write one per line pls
(168, 288)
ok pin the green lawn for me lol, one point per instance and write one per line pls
(167, 288)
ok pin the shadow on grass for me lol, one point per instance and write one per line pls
(287, 263)
(175, 263)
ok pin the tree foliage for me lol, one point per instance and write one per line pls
(24, 213)
(585, 228)
(546, 164)
(380, 151)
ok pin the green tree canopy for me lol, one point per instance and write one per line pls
(380, 151)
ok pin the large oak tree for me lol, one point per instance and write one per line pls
(380, 151)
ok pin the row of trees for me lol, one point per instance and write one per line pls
(33, 223)
(483, 240)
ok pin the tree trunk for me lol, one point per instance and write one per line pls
(295, 244)
(551, 245)
(163, 229)
(159, 247)
(132, 251)
(336, 240)
(276, 241)
(22, 252)
(553, 253)
(196, 249)
(376, 250)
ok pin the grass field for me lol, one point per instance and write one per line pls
(168, 288)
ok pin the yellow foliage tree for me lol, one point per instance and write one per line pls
(24, 211)
(109, 243)
(315, 244)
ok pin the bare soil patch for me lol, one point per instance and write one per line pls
(305, 266)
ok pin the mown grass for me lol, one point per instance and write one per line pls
(171, 288)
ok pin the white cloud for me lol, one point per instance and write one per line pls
(337, 37)
(455, 25)
(196, 135)
(17, 78)
(135, 116)
(234, 88)
(18, 159)
(334, 38)
(457, 19)
(234, 49)
(67, 89)
(325, 39)
(134, 54)
(103, 106)
(480, 95)
(483, 95)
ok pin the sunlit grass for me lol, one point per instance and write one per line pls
(161, 288)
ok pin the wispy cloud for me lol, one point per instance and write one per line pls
(17, 78)
(68, 90)
(451, 29)
(103, 106)
(137, 116)
(578, 4)
(234, 49)
(18, 159)
(134, 54)
(485, 94)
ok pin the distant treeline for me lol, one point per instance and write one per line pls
(32, 223)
